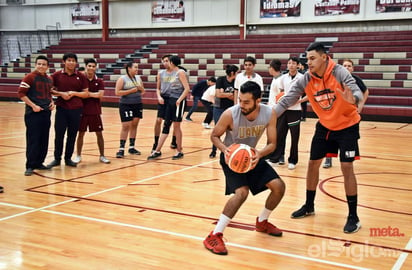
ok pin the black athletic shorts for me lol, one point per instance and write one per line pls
(174, 113)
(129, 111)
(161, 108)
(255, 179)
(328, 142)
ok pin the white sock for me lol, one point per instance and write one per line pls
(222, 223)
(264, 214)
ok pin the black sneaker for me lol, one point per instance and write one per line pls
(173, 145)
(120, 154)
(212, 154)
(178, 156)
(28, 172)
(282, 161)
(54, 163)
(42, 167)
(154, 147)
(352, 225)
(1, 189)
(154, 155)
(303, 212)
(70, 163)
(133, 151)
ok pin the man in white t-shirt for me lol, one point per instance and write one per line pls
(290, 120)
(248, 74)
(274, 71)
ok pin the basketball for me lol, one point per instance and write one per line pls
(240, 159)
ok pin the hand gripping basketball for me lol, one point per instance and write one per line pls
(239, 157)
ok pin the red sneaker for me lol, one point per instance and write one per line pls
(268, 228)
(214, 243)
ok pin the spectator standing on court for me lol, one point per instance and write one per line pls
(207, 99)
(174, 108)
(71, 87)
(35, 92)
(348, 64)
(224, 96)
(130, 88)
(334, 96)
(92, 110)
(289, 120)
(197, 92)
(275, 72)
(249, 74)
(245, 123)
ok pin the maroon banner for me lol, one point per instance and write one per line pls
(393, 6)
(279, 8)
(168, 11)
(336, 7)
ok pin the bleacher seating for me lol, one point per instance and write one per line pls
(382, 59)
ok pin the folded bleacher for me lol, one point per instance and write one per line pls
(382, 59)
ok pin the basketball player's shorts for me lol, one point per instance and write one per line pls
(256, 179)
(93, 122)
(174, 113)
(129, 111)
(161, 108)
(327, 143)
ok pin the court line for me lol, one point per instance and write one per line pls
(44, 209)
(100, 192)
(201, 239)
(403, 256)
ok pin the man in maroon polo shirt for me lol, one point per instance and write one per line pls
(71, 87)
(35, 91)
(92, 109)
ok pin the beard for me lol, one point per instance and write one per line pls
(248, 111)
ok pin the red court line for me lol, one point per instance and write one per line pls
(236, 225)
(323, 182)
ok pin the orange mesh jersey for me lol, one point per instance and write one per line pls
(333, 111)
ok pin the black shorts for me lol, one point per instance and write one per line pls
(255, 179)
(174, 113)
(328, 142)
(129, 111)
(161, 108)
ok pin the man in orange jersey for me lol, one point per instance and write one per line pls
(348, 64)
(333, 95)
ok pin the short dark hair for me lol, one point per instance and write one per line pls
(250, 59)
(317, 46)
(275, 64)
(42, 57)
(81, 69)
(348, 60)
(294, 59)
(90, 60)
(231, 68)
(69, 55)
(212, 79)
(253, 88)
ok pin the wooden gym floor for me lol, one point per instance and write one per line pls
(139, 214)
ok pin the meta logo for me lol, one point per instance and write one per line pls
(389, 231)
